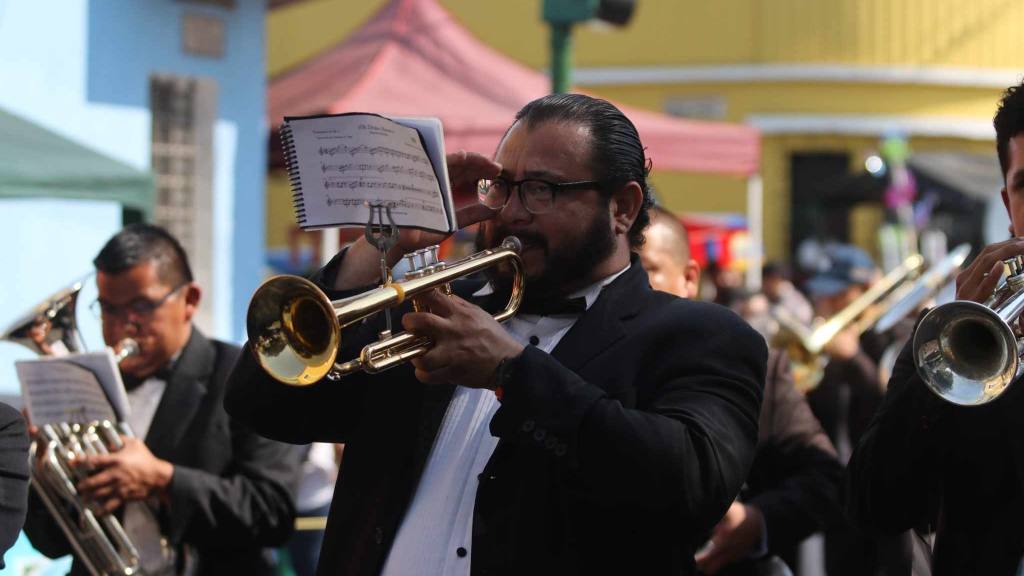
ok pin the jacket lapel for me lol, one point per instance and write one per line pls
(182, 397)
(601, 326)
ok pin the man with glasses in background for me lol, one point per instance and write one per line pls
(220, 492)
(604, 429)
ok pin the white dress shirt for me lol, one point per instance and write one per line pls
(139, 519)
(435, 536)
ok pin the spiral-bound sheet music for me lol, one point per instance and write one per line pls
(341, 164)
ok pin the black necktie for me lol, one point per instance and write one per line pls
(554, 306)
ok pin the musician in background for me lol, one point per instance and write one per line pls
(927, 464)
(221, 493)
(603, 430)
(13, 476)
(781, 293)
(848, 393)
(793, 487)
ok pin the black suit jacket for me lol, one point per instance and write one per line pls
(232, 493)
(924, 463)
(13, 476)
(616, 453)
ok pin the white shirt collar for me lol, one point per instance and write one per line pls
(588, 293)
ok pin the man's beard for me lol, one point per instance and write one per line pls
(563, 268)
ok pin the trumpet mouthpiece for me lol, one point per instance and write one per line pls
(512, 243)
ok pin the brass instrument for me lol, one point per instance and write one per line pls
(805, 345)
(55, 319)
(294, 328)
(905, 302)
(99, 540)
(969, 353)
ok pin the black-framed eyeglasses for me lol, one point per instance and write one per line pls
(537, 196)
(140, 308)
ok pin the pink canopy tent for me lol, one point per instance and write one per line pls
(412, 58)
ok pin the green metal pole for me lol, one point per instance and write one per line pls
(561, 57)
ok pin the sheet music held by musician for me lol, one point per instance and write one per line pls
(75, 388)
(339, 165)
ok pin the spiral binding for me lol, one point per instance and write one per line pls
(291, 164)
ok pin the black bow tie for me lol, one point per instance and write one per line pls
(133, 382)
(554, 306)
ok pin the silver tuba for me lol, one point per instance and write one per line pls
(99, 541)
(969, 353)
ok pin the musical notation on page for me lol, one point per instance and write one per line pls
(340, 164)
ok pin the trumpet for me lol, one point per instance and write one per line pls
(294, 328)
(969, 353)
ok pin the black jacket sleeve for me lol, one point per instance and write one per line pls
(892, 481)
(13, 476)
(795, 479)
(328, 410)
(684, 449)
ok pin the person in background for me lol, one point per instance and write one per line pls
(793, 487)
(846, 397)
(781, 293)
(319, 473)
(220, 493)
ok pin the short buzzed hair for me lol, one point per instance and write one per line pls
(680, 249)
(140, 243)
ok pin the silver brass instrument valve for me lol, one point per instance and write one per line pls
(1014, 270)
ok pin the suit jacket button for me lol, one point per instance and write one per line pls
(461, 552)
(528, 425)
(539, 434)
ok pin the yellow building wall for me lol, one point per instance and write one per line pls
(947, 33)
(943, 33)
(976, 35)
(746, 100)
(280, 214)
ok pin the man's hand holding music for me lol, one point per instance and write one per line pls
(131, 473)
(468, 342)
(465, 170)
(980, 279)
(362, 263)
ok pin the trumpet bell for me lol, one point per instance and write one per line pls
(966, 353)
(293, 330)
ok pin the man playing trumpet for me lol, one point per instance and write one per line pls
(952, 471)
(604, 429)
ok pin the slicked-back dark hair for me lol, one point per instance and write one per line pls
(616, 154)
(140, 243)
(1008, 122)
